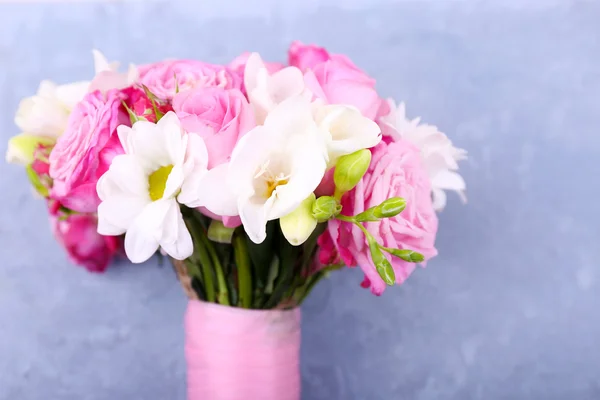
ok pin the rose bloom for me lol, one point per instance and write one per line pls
(221, 117)
(84, 152)
(396, 170)
(83, 244)
(141, 105)
(335, 79)
(160, 77)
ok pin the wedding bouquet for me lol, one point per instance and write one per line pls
(256, 179)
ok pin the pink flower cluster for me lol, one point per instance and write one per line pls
(211, 101)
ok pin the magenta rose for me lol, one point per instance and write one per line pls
(335, 79)
(218, 115)
(78, 235)
(160, 77)
(396, 170)
(85, 150)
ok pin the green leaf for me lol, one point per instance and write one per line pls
(132, 117)
(289, 257)
(242, 261)
(36, 182)
(261, 254)
(154, 100)
(273, 272)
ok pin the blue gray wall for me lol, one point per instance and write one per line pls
(509, 310)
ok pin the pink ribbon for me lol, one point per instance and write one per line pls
(238, 354)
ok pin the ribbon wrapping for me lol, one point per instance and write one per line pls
(240, 354)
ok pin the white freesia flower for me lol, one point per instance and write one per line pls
(108, 76)
(439, 155)
(273, 169)
(266, 91)
(46, 114)
(142, 189)
(346, 130)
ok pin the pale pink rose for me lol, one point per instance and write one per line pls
(335, 79)
(221, 117)
(85, 150)
(396, 170)
(77, 234)
(160, 77)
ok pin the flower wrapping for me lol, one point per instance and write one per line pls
(233, 353)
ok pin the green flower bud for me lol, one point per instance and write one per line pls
(217, 232)
(325, 208)
(382, 264)
(349, 170)
(406, 255)
(367, 216)
(21, 148)
(300, 223)
(390, 208)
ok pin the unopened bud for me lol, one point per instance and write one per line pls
(350, 169)
(325, 208)
(300, 223)
(390, 208)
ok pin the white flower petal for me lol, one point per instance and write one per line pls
(174, 181)
(448, 180)
(148, 142)
(349, 130)
(118, 212)
(254, 219)
(142, 237)
(308, 170)
(125, 176)
(176, 240)
(211, 192)
(438, 199)
(100, 62)
(253, 65)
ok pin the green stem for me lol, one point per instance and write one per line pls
(242, 261)
(223, 295)
(204, 259)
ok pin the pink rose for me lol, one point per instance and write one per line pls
(218, 115)
(160, 77)
(396, 170)
(141, 105)
(84, 245)
(85, 150)
(335, 79)
(306, 56)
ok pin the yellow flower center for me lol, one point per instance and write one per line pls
(272, 185)
(157, 182)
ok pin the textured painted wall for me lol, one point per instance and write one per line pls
(509, 310)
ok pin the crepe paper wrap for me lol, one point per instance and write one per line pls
(235, 353)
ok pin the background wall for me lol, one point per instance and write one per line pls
(509, 310)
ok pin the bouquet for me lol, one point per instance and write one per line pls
(255, 179)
